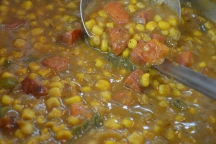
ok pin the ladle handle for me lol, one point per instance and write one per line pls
(188, 77)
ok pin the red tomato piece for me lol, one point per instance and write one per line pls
(185, 58)
(14, 23)
(125, 98)
(133, 80)
(116, 11)
(118, 39)
(152, 52)
(79, 109)
(31, 86)
(146, 14)
(56, 62)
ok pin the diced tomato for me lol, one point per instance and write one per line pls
(158, 37)
(56, 62)
(9, 121)
(133, 80)
(185, 58)
(125, 98)
(116, 11)
(13, 23)
(152, 52)
(118, 39)
(79, 109)
(146, 14)
(31, 86)
(69, 38)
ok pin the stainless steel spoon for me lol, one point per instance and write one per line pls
(188, 77)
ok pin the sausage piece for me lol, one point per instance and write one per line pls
(146, 15)
(185, 58)
(56, 62)
(125, 98)
(118, 39)
(152, 52)
(9, 121)
(116, 11)
(79, 109)
(31, 86)
(133, 80)
(14, 23)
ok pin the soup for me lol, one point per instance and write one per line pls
(57, 87)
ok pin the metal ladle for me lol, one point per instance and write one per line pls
(188, 77)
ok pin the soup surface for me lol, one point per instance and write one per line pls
(58, 87)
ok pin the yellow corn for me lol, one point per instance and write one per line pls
(127, 123)
(163, 25)
(27, 114)
(135, 138)
(85, 89)
(173, 21)
(140, 5)
(56, 84)
(110, 142)
(19, 134)
(96, 40)
(52, 102)
(106, 95)
(19, 43)
(55, 113)
(17, 54)
(145, 79)
(65, 18)
(103, 13)
(55, 92)
(208, 25)
(6, 100)
(63, 135)
(157, 18)
(131, 8)
(33, 66)
(98, 62)
(104, 45)
(37, 31)
(40, 119)
(44, 72)
(113, 124)
(73, 120)
(27, 5)
(132, 43)
(126, 53)
(49, 7)
(163, 104)
(110, 25)
(89, 24)
(97, 30)
(140, 27)
(72, 5)
(26, 128)
(150, 26)
(137, 37)
(73, 99)
(102, 85)
(202, 65)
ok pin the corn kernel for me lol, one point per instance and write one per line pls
(157, 18)
(19, 134)
(40, 119)
(33, 66)
(126, 53)
(7, 100)
(179, 118)
(106, 95)
(96, 40)
(140, 27)
(55, 92)
(98, 62)
(72, 5)
(73, 99)
(63, 135)
(197, 33)
(137, 37)
(97, 30)
(102, 85)
(55, 113)
(104, 45)
(192, 110)
(113, 124)
(52, 102)
(131, 8)
(85, 89)
(37, 31)
(49, 7)
(26, 128)
(135, 138)
(27, 114)
(202, 65)
(163, 89)
(208, 25)
(27, 5)
(127, 123)
(140, 5)
(18, 107)
(73, 120)
(145, 79)
(110, 25)
(163, 25)
(170, 134)
(56, 84)
(173, 21)
(19, 43)
(131, 30)
(163, 104)
(150, 26)
(89, 24)
(44, 72)
(132, 43)
(103, 13)
(58, 128)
